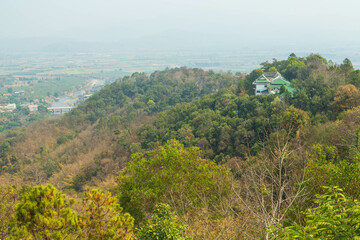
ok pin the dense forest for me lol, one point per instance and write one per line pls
(192, 154)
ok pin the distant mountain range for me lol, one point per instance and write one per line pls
(171, 40)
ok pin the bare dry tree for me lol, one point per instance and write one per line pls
(35, 175)
(272, 182)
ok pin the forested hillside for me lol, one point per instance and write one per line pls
(192, 154)
(93, 142)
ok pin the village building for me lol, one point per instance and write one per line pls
(19, 93)
(10, 107)
(33, 108)
(59, 110)
(270, 83)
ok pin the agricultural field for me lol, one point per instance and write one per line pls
(48, 76)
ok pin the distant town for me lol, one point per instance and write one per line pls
(10, 107)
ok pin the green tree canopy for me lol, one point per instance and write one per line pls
(45, 213)
(294, 67)
(171, 174)
(162, 226)
(102, 217)
(325, 168)
(346, 66)
(272, 69)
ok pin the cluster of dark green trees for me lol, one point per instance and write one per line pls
(223, 125)
(153, 93)
(241, 167)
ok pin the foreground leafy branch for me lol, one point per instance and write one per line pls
(163, 226)
(336, 217)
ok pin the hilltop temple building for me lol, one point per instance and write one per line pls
(270, 83)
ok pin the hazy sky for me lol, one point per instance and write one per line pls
(260, 21)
